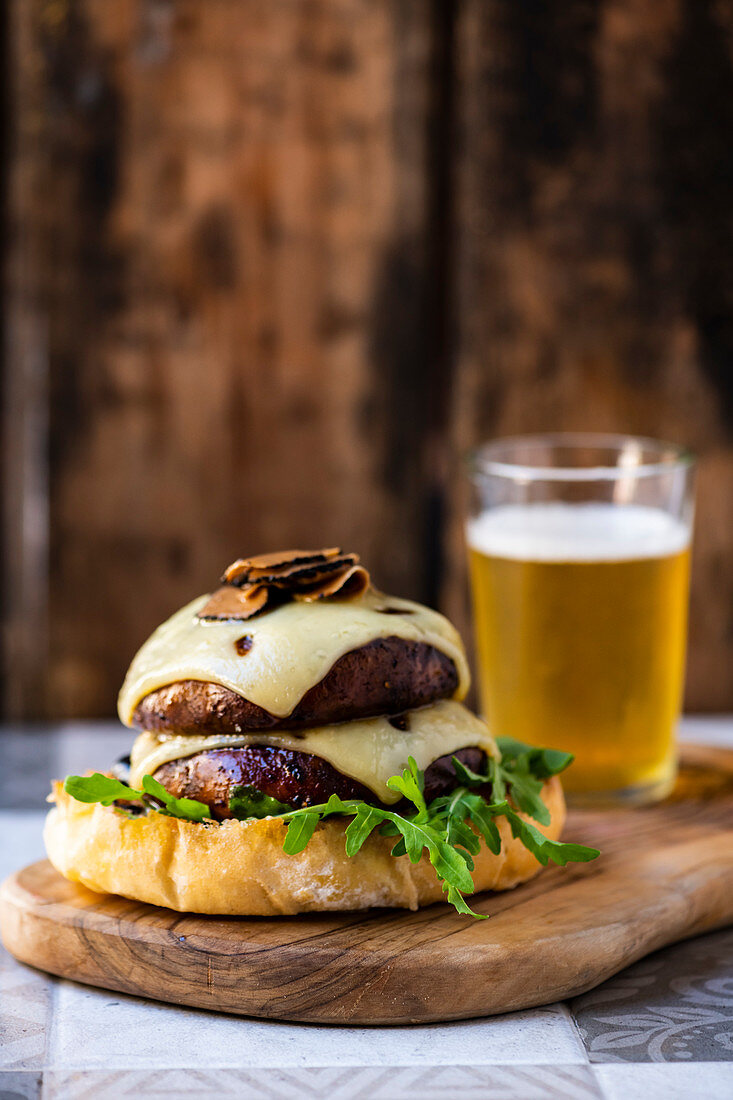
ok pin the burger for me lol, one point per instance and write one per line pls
(302, 745)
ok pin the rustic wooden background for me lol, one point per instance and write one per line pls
(272, 265)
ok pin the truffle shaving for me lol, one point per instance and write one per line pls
(349, 585)
(234, 603)
(265, 566)
(253, 585)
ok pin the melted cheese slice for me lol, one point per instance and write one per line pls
(369, 750)
(293, 648)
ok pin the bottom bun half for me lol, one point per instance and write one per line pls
(238, 868)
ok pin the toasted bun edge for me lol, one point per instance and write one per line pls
(238, 868)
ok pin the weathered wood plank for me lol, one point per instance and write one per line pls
(25, 385)
(228, 277)
(229, 223)
(595, 258)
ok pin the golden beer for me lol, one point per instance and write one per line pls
(580, 617)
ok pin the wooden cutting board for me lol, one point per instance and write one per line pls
(666, 873)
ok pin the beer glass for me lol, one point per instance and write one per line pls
(579, 552)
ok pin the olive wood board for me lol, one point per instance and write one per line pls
(666, 873)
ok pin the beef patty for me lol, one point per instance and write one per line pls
(296, 778)
(385, 676)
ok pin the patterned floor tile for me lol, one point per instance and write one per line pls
(128, 1033)
(400, 1083)
(24, 993)
(712, 1081)
(15, 1085)
(674, 1006)
(25, 999)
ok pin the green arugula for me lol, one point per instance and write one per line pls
(105, 789)
(521, 773)
(444, 827)
(450, 828)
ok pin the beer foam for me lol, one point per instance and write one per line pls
(577, 532)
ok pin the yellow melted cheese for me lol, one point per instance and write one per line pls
(293, 648)
(369, 750)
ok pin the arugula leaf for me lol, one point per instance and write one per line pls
(544, 849)
(542, 762)
(498, 780)
(300, 831)
(470, 777)
(187, 808)
(480, 813)
(98, 788)
(365, 822)
(106, 790)
(410, 785)
(527, 790)
(399, 849)
(457, 900)
(493, 776)
(249, 802)
(336, 805)
(455, 810)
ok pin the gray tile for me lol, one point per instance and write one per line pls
(382, 1083)
(711, 1081)
(27, 764)
(674, 1006)
(22, 833)
(707, 729)
(25, 1004)
(31, 755)
(20, 1085)
(127, 1033)
(25, 994)
(91, 746)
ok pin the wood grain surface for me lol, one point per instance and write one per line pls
(224, 310)
(271, 268)
(666, 873)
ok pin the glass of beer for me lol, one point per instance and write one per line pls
(579, 553)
